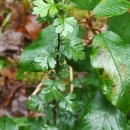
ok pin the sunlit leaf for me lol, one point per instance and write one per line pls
(111, 8)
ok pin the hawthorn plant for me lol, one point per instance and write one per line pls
(98, 101)
(61, 43)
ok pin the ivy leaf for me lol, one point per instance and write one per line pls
(52, 89)
(65, 25)
(68, 104)
(40, 55)
(111, 8)
(101, 115)
(72, 47)
(41, 8)
(85, 5)
(36, 103)
(7, 124)
(112, 63)
(123, 26)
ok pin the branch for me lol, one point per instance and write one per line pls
(90, 24)
(71, 79)
(38, 88)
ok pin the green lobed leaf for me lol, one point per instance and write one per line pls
(85, 4)
(123, 26)
(36, 103)
(40, 55)
(111, 8)
(43, 9)
(65, 25)
(7, 124)
(101, 115)
(82, 65)
(72, 47)
(112, 63)
(52, 89)
(68, 103)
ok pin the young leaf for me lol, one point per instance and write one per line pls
(72, 47)
(85, 5)
(101, 115)
(40, 54)
(7, 124)
(41, 8)
(111, 59)
(111, 8)
(123, 26)
(64, 25)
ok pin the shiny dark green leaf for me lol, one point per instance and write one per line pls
(123, 26)
(101, 115)
(41, 52)
(85, 4)
(112, 63)
(111, 8)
